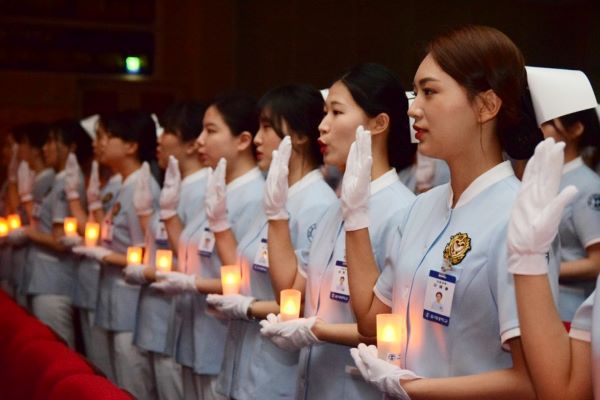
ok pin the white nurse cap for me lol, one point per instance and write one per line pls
(324, 93)
(159, 129)
(558, 92)
(413, 138)
(89, 125)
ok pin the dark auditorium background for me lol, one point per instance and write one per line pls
(65, 58)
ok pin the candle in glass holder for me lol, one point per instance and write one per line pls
(134, 255)
(289, 304)
(230, 279)
(70, 226)
(3, 227)
(389, 334)
(92, 232)
(14, 221)
(163, 260)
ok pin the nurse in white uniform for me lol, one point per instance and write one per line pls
(468, 108)
(131, 139)
(183, 190)
(254, 368)
(236, 186)
(367, 95)
(565, 108)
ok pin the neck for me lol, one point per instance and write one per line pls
(189, 165)
(299, 166)
(381, 162)
(571, 151)
(127, 167)
(242, 164)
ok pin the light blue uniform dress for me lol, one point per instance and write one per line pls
(470, 238)
(117, 300)
(155, 308)
(198, 336)
(88, 269)
(579, 228)
(254, 367)
(586, 327)
(326, 369)
(21, 270)
(49, 271)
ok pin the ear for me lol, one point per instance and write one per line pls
(488, 106)
(298, 140)
(131, 148)
(244, 141)
(191, 147)
(379, 124)
(575, 131)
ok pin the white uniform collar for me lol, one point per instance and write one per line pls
(572, 165)
(132, 177)
(194, 177)
(115, 178)
(384, 181)
(482, 182)
(61, 174)
(305, 181)
(43, 173)
(242, 180)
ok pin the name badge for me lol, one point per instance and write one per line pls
(339, 283)
(161, 237)
(438, 297)
(106, 231)
(207, 243)
(261, 259)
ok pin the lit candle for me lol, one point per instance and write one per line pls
(3, 227)
(230, 279)
(14, 221)
(164, 259)
(289, 307)
(389, 334)
(70, 226)
(134, 255)
(92, 232)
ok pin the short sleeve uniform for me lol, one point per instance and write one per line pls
(326, 369)
(579, 228)
(117, 300)
(254, 367)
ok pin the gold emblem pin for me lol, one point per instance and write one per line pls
(456, 249)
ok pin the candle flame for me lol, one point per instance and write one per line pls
(14, 221)
(3, 227)
(389, 334)
(230, 279)
(289, 307)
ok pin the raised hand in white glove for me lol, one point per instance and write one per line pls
(26, 178)
(72, 174)
(142, 195)
(356, 182)
(384, 376)
(134, 274)
(169, 195)
(232, 306)
(70, 241)
(174, 282)
(215, 203)
(289, 335)
(94, 252)
(93, 190)
(537, 212)
(13, 165)
(276, 188)
(17, 236)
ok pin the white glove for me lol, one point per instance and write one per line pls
(276, 188)
(72, 173)
(169, 195)
(537, 210)
(233, 306)
(70, 241)
(289, 335)
(142, 196)
(379, 373)
(356, 184)
(26, 178)
(134, 274)
(215, 203)
(94, 252)
(14, 163)
(93, 190)
(424, 173)
(17, 237)
(174, 282)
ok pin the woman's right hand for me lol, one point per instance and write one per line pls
(276, 188)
